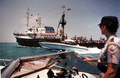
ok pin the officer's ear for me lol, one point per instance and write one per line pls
(104, 27)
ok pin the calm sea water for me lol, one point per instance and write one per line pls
(13, 51)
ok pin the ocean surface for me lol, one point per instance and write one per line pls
(14, 51)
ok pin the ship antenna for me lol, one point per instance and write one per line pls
(63, 9)
(39, 21)
(27, 19)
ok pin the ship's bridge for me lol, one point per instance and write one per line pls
(46, 29)
(49, 29)
(41, 30)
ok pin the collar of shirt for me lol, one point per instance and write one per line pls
(108, 40)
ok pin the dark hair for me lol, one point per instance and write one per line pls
(111, 23)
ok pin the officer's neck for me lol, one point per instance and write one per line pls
(108, 34)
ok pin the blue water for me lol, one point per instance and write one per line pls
(13, 51)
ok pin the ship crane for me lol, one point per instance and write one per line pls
(63, 23)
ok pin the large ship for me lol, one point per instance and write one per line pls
(34, 34)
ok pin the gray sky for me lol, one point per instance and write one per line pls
(82, 19)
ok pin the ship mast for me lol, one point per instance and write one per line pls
(39, 21)
(63, 22)
(27, 19)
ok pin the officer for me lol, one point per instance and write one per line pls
(109, 59)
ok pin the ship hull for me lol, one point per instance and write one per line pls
(98, 45)
(34, 42)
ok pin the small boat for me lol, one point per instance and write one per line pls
(63, 47)
(39, 66)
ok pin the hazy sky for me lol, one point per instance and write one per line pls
(82, 19)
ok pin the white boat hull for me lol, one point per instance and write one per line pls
(60, 46)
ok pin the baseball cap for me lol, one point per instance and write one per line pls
(108, 20)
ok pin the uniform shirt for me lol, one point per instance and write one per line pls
(111, 51)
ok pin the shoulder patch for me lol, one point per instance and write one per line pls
(112, 49)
